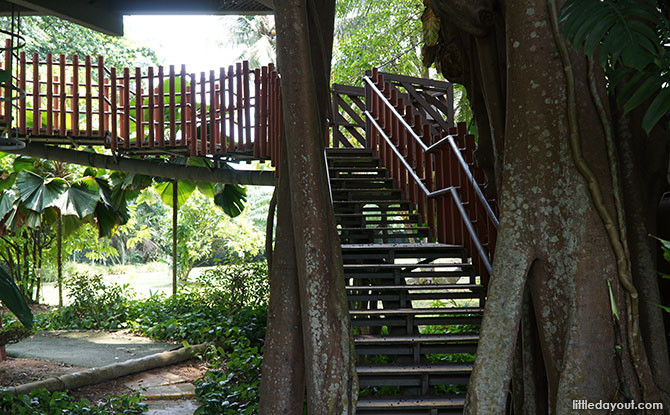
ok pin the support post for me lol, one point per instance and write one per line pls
(175, 212)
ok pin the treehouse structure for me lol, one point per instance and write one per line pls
(416, 230)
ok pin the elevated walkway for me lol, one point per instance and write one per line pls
(417, 232)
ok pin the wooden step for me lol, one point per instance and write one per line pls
(417, 312)
(349, 152)
(349, 162)
(416, 339)
(414, 405)
(414, 374)
(366, 194)
(404, 267)
(345, 172)
(416, 287)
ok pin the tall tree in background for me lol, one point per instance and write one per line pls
(579, 181)
(259, 37)
(383, 34)
(48, 34)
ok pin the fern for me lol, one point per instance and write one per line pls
(630, 37)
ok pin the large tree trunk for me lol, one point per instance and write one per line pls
(328, 343)
(282, 389)
(558, 239)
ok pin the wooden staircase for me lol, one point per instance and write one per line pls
(415, 305)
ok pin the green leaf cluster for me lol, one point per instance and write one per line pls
(43, 402)
(11, 296)
(629, 38)
(383, 34)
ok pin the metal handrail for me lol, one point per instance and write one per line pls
(450, 190)
(433, 147)
(393, 110)
(471, 229)
(468, 173)
(409, 169)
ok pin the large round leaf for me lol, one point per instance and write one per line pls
(7, 202)
(38, 193)
(80, 198)
(184, 190)
(231, 199)
(11, 296)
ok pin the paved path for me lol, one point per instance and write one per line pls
(167, 394)
(86, 348)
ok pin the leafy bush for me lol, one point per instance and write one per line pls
(238, 285)
(95, 305)
(234, 390)
(227, 307)
(43, 402)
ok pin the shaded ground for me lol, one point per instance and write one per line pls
(169, 390)
(86, 348)
(17, 371)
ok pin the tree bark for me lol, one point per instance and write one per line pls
(328, 341)
(282, 389)
(175, 213)
(59, 257)
(553, 238)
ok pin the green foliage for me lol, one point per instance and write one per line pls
(42, 402)
(47, 34)
(629, 38)
(234, 390)
(13, 331)
(234, 322)
(258, 36)
(231, 199)
(238, 285)
(383, 34)
(95, 305)
(11, 296)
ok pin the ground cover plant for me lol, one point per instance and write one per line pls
(226, 306)
(42, 402)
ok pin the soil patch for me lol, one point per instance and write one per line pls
(17, 371)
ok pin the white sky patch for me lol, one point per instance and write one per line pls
(202, 43)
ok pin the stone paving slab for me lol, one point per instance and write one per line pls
(171, 407)
(86, 348)
(164, 386)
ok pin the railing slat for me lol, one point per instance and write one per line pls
(172, 108)
(257, 114)
(125, 124)
(50, 118)
(114, 132)
(102, 126)
(247, 104)
(22, 85)
(139, 113)
(75, 95)
(184, 112)
(202, 150)
(231, 109)
(239, 106)
(194, 125)
(151, 93)
(160, 111)
(213, 124)
(223, 109)
(89, 98)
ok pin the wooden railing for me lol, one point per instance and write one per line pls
(82, 101)
(348, 116)
(435, 169)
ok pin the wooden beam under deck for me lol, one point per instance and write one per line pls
(150, 167)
